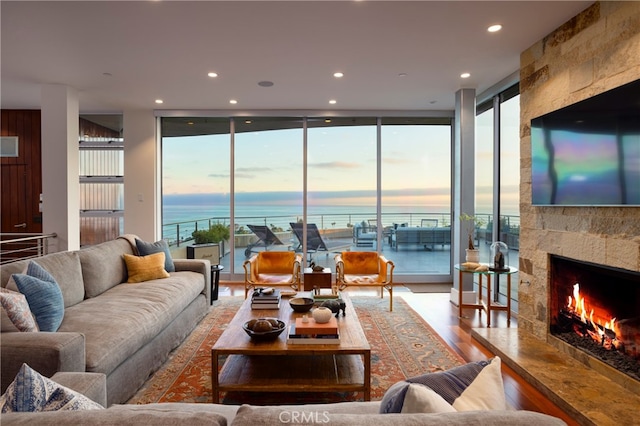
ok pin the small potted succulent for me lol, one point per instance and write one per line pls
(468, 224)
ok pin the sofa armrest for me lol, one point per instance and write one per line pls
(201, 266)
(45, 352)
(91, 385)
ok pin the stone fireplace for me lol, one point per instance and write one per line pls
(594, 309)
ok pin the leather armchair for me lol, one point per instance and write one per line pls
(271, 269)
(364, 268)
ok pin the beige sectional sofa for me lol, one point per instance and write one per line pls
(125, 331)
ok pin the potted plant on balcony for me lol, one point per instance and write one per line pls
(208, 242)
(469, 223)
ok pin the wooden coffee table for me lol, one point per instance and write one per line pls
(278, 367)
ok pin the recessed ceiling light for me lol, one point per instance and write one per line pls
(265, 83)
(332, 101)
(494, 28)
(465, 75)
(247, 121)
(159, 101)
(212, 74)
(327, 120)
(190, 123)
(338, 74)
(233, 101)
(402, 74)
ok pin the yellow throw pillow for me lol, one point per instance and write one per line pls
(145, 268)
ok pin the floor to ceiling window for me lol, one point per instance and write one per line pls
(195, 176)
(498, 194)
(372, 184)
(416, 194)
(267, 182)
(341, 176)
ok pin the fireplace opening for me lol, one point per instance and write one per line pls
(595, 308)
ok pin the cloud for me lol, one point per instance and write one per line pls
(336, 165)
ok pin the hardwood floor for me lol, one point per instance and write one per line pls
(442, 316)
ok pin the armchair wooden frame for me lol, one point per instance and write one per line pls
(350, 274)
(272, 269)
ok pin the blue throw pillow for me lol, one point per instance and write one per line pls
(448, 384)
(145, 249)
(31, 392)
(43, 296)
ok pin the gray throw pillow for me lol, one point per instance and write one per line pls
(145, 248)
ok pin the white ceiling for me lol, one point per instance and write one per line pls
(125, 54)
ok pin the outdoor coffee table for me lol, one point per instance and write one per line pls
(279, 367)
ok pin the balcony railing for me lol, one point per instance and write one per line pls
(15, 246)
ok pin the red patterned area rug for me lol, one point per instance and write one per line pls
(402, 345)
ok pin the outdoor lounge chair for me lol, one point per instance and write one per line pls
(315, 243)
(266, 238)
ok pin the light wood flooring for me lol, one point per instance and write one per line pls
(442, 316)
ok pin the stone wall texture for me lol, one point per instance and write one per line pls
(595, 51)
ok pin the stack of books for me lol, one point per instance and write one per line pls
(260, 300)
(310, 332)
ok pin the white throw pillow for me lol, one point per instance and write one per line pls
(486, 392)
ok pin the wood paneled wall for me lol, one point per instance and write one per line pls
(22, 175)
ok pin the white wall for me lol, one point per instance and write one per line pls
(142, 184)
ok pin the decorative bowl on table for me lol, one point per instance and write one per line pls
(301, 304)
(263, 329)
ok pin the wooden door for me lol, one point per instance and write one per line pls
(15, 206)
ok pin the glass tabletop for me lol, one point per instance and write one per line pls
(507, 270)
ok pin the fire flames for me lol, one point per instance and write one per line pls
(602, 330)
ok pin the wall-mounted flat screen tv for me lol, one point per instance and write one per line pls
(588, 153)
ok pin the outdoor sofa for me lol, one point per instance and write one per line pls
(422, 237)
(123, 330)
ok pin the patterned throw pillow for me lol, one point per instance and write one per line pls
(43, 295)
(32, 392)
(145, 248)
(17, 309)
(473, 386)
(145, 268)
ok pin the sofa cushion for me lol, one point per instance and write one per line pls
(126, 317)
(188, 414)
(43, 295)
(145, 248)
(17, 309)
(449, 384)
(63, 266)
(145, 268)
(276, 262)
(302, 415)
(32, 392)
(103, 266)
